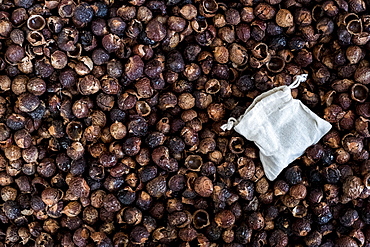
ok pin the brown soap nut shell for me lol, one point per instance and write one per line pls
(155, 30)
(51, 196)
(143, 108)
(221, 54)
(359, 92)
(225, 219)
(157, 187)
(27, 102)
(216, 111)
(79, 187)
(36, 86)
(284, 18)
(23, 138)
(187, 234)
(12, 152)
(264, 11)
(88, 85)
(179, 219)
(76, 150)
(200, 219)
(362, 75)
(194, 162)
(74, 130)
(59, 60)
(280, 187)
(236, 145)
(36, 22)
(276, 64)
(118, 130)
(298, 191)
(203, 186)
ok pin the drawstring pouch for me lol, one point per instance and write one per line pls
(281, 127)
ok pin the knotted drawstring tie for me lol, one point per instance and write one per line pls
(229, 125)
(297, 80)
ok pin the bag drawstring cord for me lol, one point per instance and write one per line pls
(229, 125)
(297, 80)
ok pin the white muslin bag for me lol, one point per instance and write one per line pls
(282, 127)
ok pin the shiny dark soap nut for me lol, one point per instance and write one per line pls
(83, 13)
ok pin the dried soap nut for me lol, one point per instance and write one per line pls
(301, 227)
(12, 152)
(352, 144)
(225, 219)
(72, 209)
(23, 138)
(232, 16)
(76, 150)
(88, 85)
(284, 18)
(18, 17)
(216, 111)
(187, 234)
(59, 59)
(280, 188)
(276, 64)
(4, 132)
(362, 75)
(155, 30)
(134, 68)
(8, 193)
(78, 187)
(14, 54)
(203, 186)
(236, 145)
(139, 235)
(157, 187)
(50, 196)
(118, 130)
(256, 221)
(176, 23)
(6, 83)
(36, 86)
(354, 54)
(298, 191)
(207, 145)
(179, 219)
(221, 54)
(74, 130)
(188, 11)
(111, 203)
(247, 14)
(186, 101)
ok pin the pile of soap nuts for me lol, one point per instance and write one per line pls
(110, 116)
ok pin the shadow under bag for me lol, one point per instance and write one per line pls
(282, 127)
